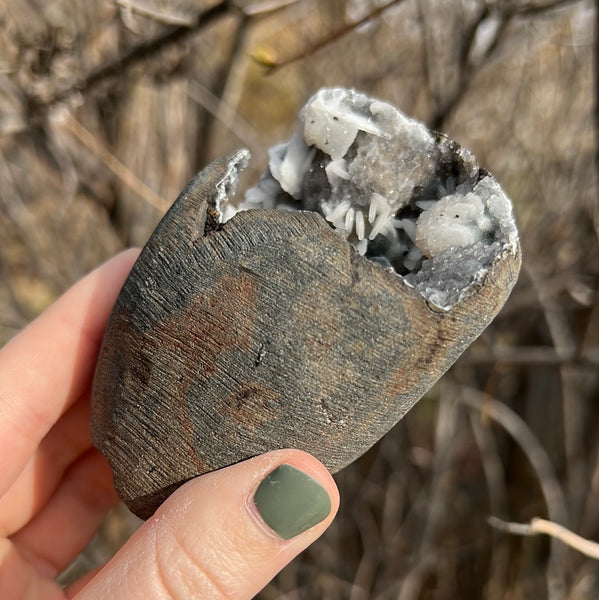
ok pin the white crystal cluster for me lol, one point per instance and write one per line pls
(404, 196)
(454, 221)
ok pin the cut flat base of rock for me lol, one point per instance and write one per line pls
(313, 315)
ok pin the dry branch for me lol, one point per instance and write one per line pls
(128, 59)
(525, 438)
(542, 526)
(332, 37)
(94, 145)
(540, 462)
(263, 7)
(228, 116)
(527, 356)
(166, 18)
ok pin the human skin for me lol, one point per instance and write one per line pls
(208, 540)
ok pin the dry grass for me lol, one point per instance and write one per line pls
(107, 108)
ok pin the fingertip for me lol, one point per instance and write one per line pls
(295, 493)
(123, 260)
(226, 533)
(48, 366)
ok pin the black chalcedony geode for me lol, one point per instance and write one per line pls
(242, 331)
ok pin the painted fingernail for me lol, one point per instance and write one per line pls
(290, 502)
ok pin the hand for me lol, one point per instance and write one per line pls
(222, 535)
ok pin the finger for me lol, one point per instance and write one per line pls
(225, 534)
(45, 368)
(76, 587)
(19, 579)
(66, 524)
(65, 442)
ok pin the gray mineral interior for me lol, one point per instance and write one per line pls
(410, 199)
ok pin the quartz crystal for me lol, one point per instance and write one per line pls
(406, 197)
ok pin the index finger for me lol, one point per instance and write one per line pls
(46, 367)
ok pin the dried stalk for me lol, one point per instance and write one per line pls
(332, 37)
(115, 69)
(120, 170)
(498, 501)
(542, 526)
(167, 18)
(527, 356)
(525, 438)
(426, 556)
(214, 96)
(539, 460)
(573, 401)
(263, 7)
(228, 116)
(26, 228)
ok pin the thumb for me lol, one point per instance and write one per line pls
(225, 534)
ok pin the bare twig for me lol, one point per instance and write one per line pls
(573, 402)
(116, 68)
(370, 536)
(94, 145)
(498, 501)
(552, 491)
(468, 69)
(525, 438)
(167, 18)
(446, 106)
(226, 71)
(263, 7)
(27, 229)
(542, 526)
(530, 10)
(411, 586)
(332, 37)
(527, 356)
(227, 115)
(426, 554)
(559, 329)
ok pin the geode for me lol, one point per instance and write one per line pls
(313, 314)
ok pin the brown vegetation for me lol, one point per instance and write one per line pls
(108, 107)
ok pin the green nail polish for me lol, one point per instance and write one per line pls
(291, 502)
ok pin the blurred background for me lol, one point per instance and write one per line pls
(108, 107)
